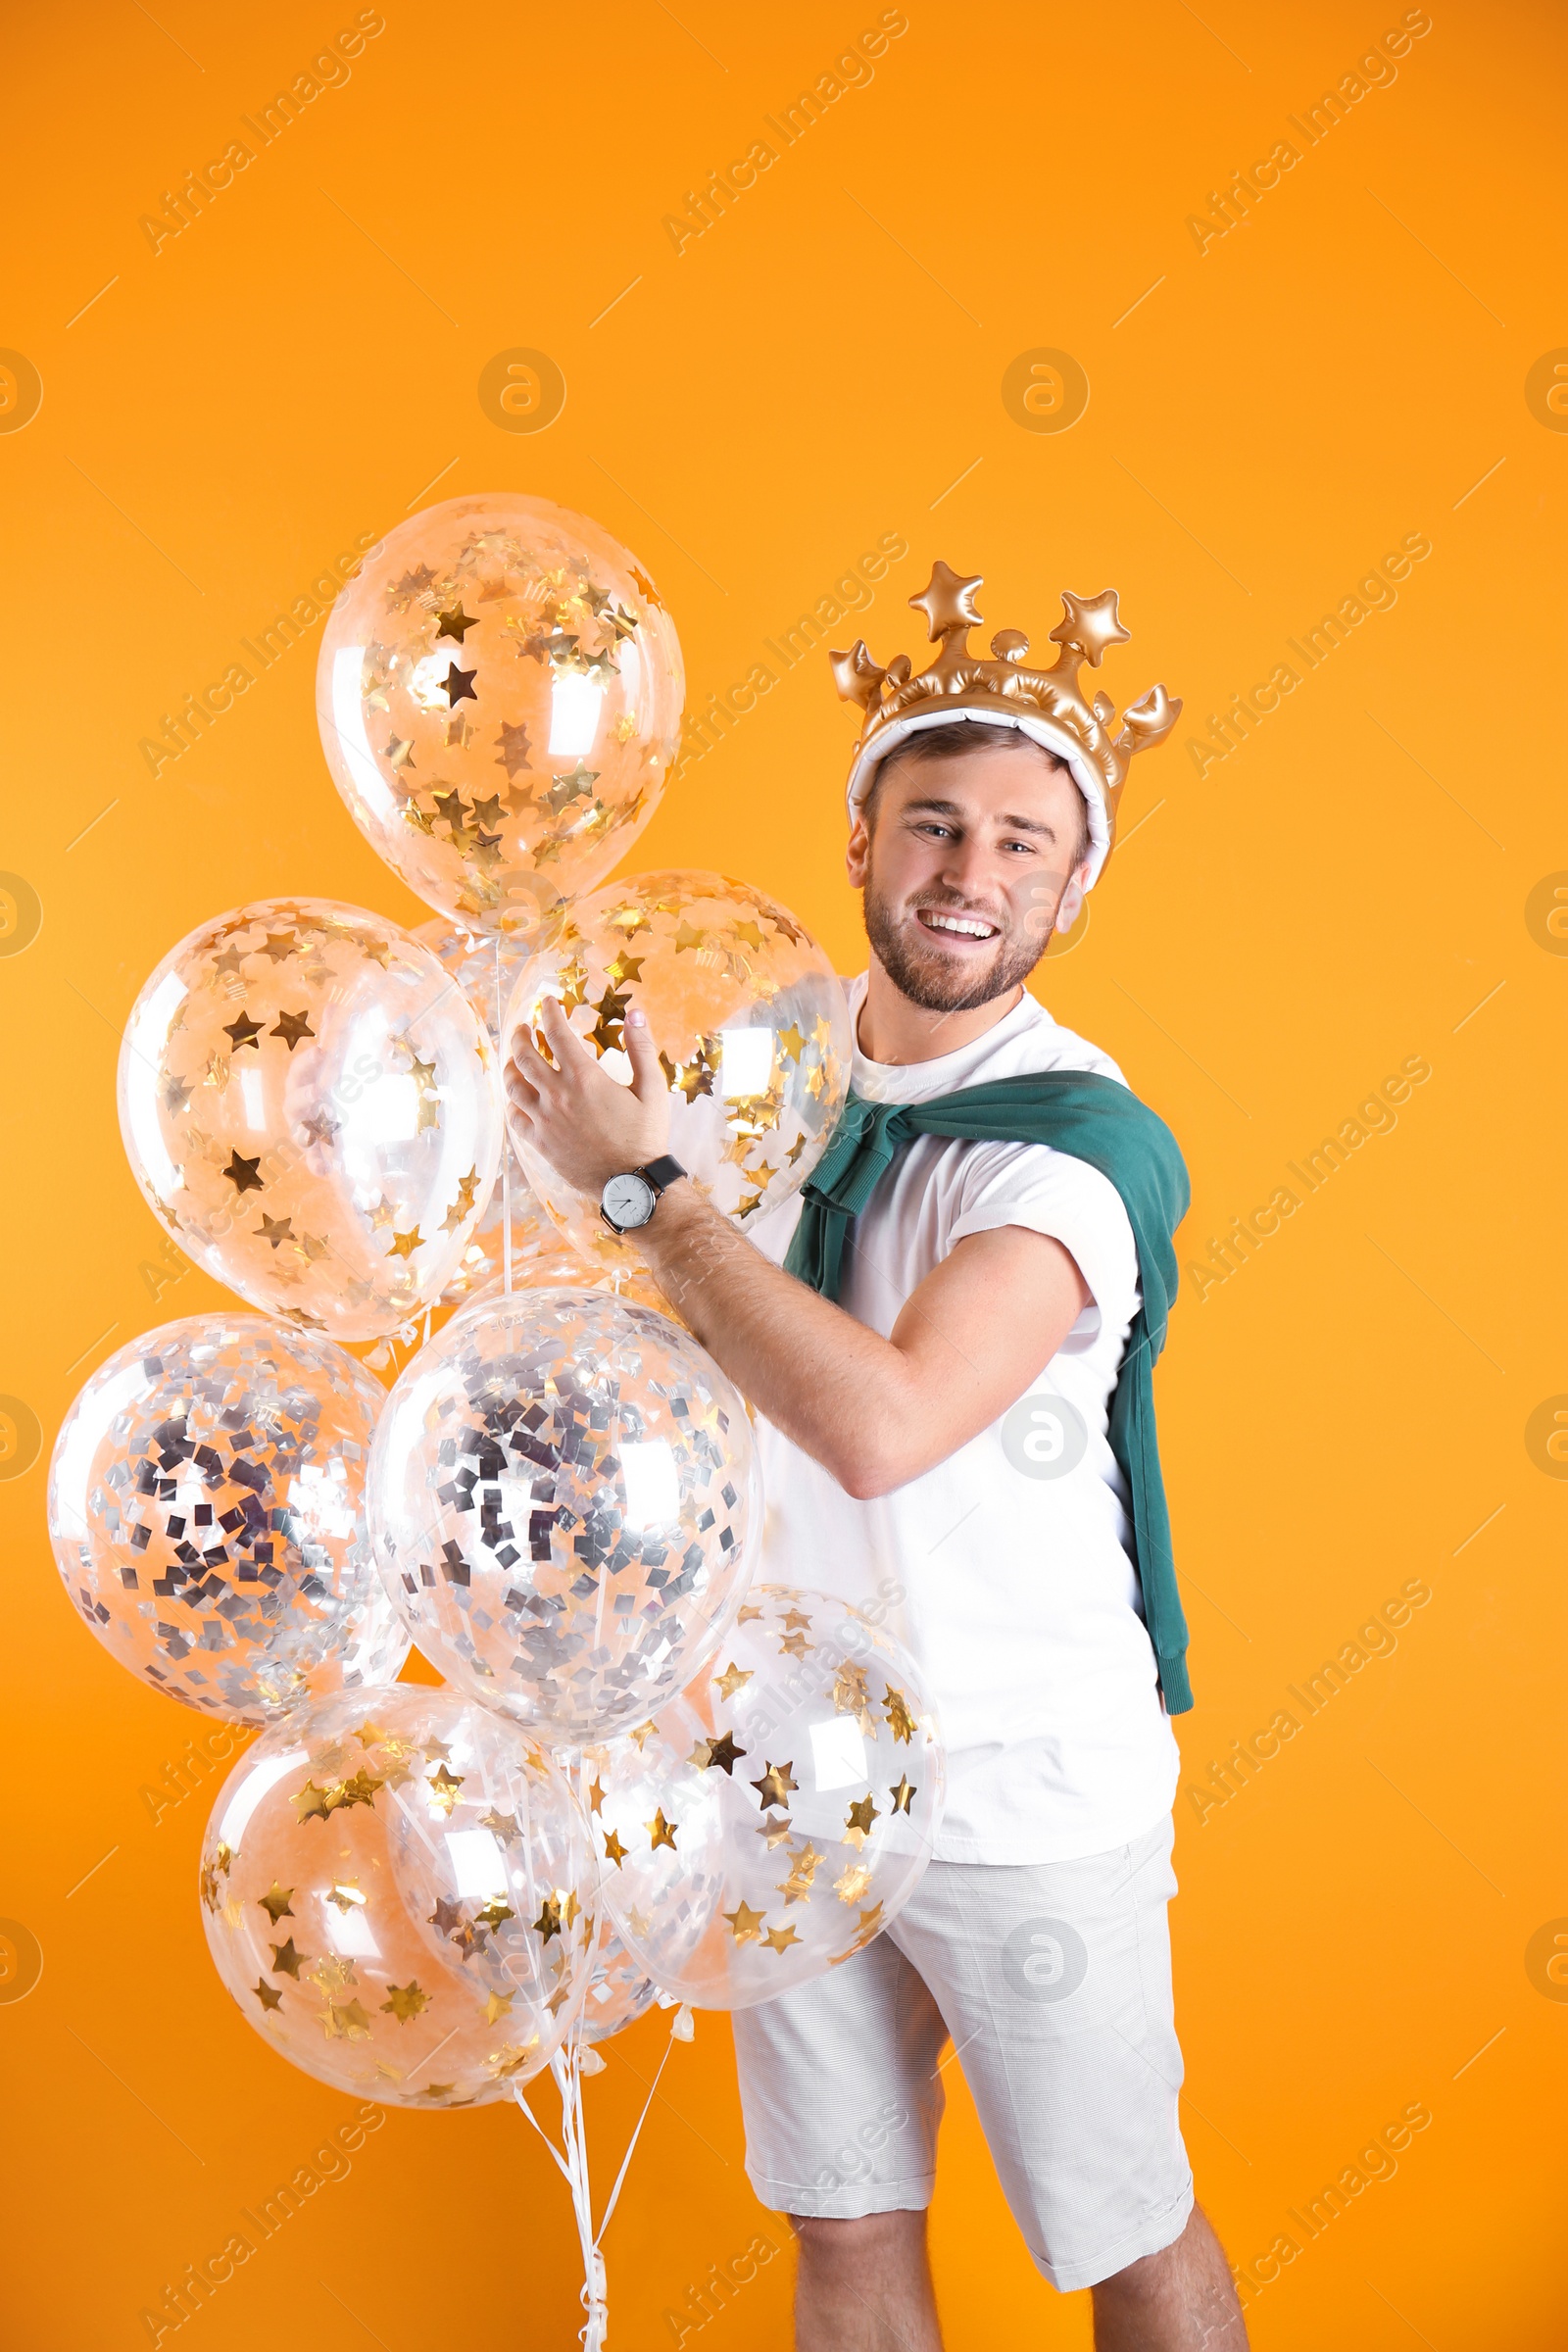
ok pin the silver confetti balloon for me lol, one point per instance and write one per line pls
(564, 1497)
(207, 1510)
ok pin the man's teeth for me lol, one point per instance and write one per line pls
(967, 927)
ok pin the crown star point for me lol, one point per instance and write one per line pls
(947, 600)
(1148, 721)
(1089, 624)
(858, 677)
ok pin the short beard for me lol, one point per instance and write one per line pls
(927, 980)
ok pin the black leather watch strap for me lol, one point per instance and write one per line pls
(662, 1172)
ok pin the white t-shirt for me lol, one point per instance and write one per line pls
(1004, 1570)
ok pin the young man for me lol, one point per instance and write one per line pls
(968, 1432)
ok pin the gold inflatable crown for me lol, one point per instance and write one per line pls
(1044, 703)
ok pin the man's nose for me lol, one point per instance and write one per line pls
(969, 867)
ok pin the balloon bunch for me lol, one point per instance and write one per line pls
(431, 1896)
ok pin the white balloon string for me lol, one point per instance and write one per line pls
(567, 2072)
(572, 2169)
(570, 2160)
(506, 1147)
(573, 2166)
(555, 2157)
(636, 2134)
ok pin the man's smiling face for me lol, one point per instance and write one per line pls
(965, 862)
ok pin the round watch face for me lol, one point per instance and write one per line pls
(628, 1201)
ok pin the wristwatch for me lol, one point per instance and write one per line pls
(629, 1200)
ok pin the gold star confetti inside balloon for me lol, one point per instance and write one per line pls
(504, 784)
(333, 1179)
(565, 1496)
(750, 1020)
(369, 1994)
(207, 1511)
(773, 1879)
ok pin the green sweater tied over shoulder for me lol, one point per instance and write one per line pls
(1092, 1118)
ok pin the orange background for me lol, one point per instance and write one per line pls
(1346, 890)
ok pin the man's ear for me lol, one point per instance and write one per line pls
(858, 852)
(1072, 899)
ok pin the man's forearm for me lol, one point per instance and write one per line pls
(825, 1379)
(874, 1411)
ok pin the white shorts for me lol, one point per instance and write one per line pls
(1053, 1982)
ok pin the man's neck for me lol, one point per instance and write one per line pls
(894, 1031)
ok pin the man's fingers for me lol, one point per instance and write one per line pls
(647, 1080)
(561, 1036)
(525, 1055)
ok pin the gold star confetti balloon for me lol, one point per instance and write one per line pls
(314, 1110)
(773, 1820)
(564, 1497)
(499, 695)
(750, 1020)
(363, 1860)
(207, 1511)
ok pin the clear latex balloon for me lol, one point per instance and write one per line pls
(487, 969)
(504, 1893)
(207, 1511)
(587, 1254)
(314, 1110)
(772, 1821)
(362, 1859)
(564, 1495)
(619, 1989)
(540, 1259)
(750, 1020)
(555, 1266)
(498, 697)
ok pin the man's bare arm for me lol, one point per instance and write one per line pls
(876, 1412)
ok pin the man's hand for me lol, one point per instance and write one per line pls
(574, 1114)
